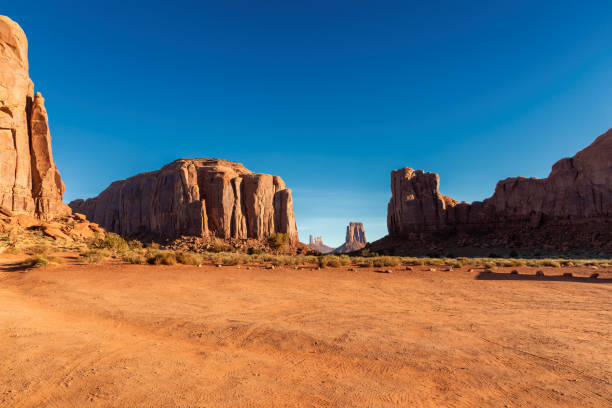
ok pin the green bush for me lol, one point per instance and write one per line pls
(278, 240)
(111, 241)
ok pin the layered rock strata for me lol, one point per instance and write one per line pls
(29, 180)
(571, 209)
(195, 197)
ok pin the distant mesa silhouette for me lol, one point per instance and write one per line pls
(317, 244)
(355, 240)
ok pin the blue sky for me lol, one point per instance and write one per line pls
(330, 95)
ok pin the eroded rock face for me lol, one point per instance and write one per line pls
(355, 239)
(29, 180)
(195, 197)
(570, 209)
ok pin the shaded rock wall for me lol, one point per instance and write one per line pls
(196, 197)
(29, 180)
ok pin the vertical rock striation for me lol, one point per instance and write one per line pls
(29, 180)
(195, 197)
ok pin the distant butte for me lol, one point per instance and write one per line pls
(355, 239)
(318, 245)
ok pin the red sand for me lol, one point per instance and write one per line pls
(118, 335)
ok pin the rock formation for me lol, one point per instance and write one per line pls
(318, 245)
(355, 239)
(195, 197)
(570, 210)
(29, 181)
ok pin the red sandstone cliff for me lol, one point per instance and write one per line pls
(571, 209)
(29, 181)
(197, 197)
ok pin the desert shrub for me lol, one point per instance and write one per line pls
(329, 260)
(433, 261)
(37, 261)
(550, 262)
(366, 252)
(153, 246)
(221, 247)
(40, 249)
(134, 258)
(94, 256)
(111, 241)
(278, 240)
(233, 259)
(381, 261)
(134, 244)
(188, 258)
(255, 251)
(412, 261)
(162, 258)
(366, 263)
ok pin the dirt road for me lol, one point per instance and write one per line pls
(118, 335)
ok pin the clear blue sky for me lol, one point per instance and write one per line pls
(330, 95)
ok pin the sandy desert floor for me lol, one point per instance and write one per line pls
(116, 335)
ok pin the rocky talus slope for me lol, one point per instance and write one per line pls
(195, 197)
(569, 211)
(29, 180)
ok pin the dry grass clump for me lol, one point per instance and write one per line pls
(95, 256)
(162, 258)
(37, 261)
(334, 261)
(188, 258)
(136, 258)
(40, 249)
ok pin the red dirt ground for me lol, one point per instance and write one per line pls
(116, 335)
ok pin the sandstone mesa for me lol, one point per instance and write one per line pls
(570, 210)
(195, 197)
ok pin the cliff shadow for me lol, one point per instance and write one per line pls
(539, 278)
(13, 267)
